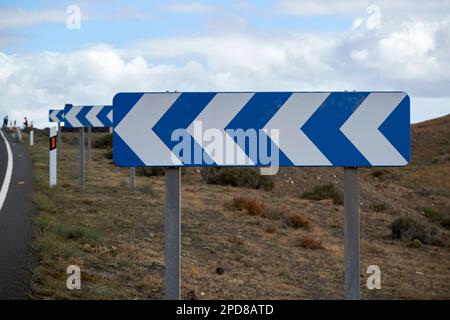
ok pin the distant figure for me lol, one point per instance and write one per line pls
(5, 122)
(25, 123)
(14, 123)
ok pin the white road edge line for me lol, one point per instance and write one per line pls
(8, 173)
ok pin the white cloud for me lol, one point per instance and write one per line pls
(408, 54)
(350, 8)
(15, 18)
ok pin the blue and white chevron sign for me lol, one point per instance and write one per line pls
(351, 129)
(88, 116)
(56, 115)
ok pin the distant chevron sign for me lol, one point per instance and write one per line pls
(88, 116)
(350, 129)
(56, 115)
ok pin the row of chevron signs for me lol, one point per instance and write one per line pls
(56, 115)
(87, 116)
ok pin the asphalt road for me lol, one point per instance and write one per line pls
(17, 257)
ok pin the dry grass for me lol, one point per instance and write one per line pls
(309, 243)
(271, 229)
(249, 205)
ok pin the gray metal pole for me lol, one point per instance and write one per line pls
(89, 143)
(59, 137)
(132, 175)
(82, 159)
(351, 233)
(173, 233)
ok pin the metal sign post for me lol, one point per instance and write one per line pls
(89, 143)
(52, 157)
(132, 178)
(351, 233)
(81, 159)
(59, 140)
(172, 223)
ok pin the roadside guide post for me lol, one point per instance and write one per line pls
(31, 134)
(52, 157)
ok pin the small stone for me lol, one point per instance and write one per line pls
(191, 295)
(219, 270)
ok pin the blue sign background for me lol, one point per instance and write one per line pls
(354, 129)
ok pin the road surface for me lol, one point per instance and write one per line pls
(16, 220)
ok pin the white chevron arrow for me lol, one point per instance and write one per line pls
(289, 119)
(91, 116)
(217, 115)
(137, 125)
(362, 128)
(53, 114)
(109, 116)
(71, 117)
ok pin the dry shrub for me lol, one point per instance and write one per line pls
(309, 243)
(251, 206)
(271, 228)
(236, 240)
(104, 141)
(150, 171)
(255, 207)
(297, 221)
(274, 213)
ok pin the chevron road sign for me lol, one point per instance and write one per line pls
(56, 115)
(346, 129)
(87, 116)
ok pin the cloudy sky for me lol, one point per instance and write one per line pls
(241, 45)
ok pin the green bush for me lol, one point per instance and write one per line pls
(437, 217)
(327, 191)
(237, 177)
(102, 142)
(379, 207)
(70, 232)
(407, 228)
